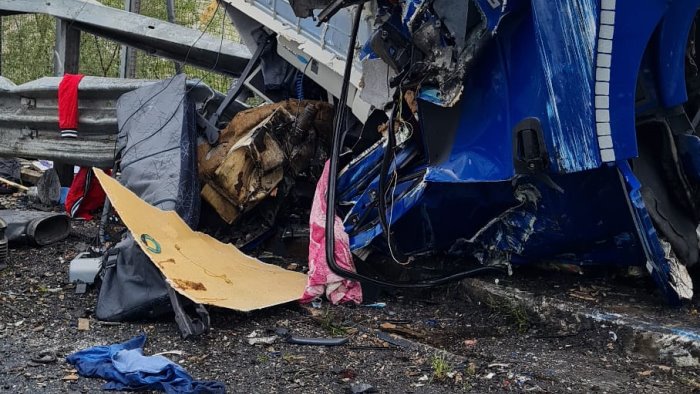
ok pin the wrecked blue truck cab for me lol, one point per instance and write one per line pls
(515, 132)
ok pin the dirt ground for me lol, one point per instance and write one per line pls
(437, 342)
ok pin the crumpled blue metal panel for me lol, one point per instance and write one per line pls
(408, 194)
(662, 267)
(482, 148)
(574, 66)
(634, 23)
(527, 72)
(566, 38)
(495, 10)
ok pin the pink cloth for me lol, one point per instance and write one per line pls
(321, 279)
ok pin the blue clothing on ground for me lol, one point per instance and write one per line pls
(125, 367)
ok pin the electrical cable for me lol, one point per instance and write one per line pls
(303, 73)
(388, 159)
(332, 178)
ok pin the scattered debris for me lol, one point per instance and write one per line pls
(289, 338)
(401, 330)
(44, 357)
(170, 352)
(84, 268)
(376, 305)
(259, 149)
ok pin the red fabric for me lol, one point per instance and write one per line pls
(68, 101)
(85, 195)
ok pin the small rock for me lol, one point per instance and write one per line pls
(337, 369)
(470, 342)
(360, 388)
(348, 374)
(71, 377)
(83, 324)
(664, 368)
(262, 340)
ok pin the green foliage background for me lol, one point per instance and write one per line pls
(28, 44)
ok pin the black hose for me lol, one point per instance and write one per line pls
(383, 174)
(332, 178)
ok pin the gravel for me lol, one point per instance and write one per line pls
(433, 342)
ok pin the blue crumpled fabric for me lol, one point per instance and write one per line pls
(125, 367)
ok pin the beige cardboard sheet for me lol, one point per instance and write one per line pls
(198, 266)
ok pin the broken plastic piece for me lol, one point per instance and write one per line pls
(289, 338)
(84, 269)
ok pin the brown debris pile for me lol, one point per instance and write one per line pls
(258, 148)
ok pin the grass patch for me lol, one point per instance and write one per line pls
(329, 323)
(441, 367)
(515, 313)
